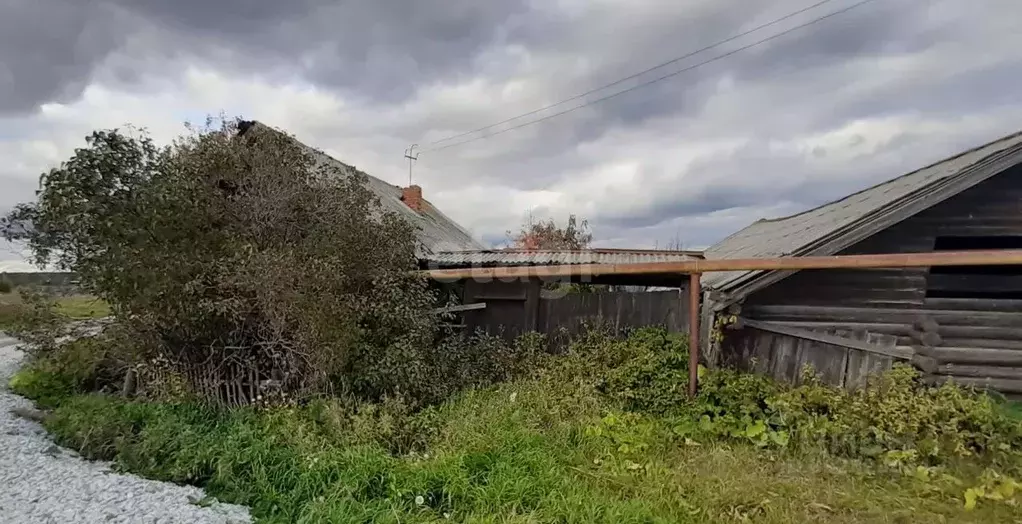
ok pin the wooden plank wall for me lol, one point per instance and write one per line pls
(563, 318)
(514, 308)
(784, 357)
(979, 340)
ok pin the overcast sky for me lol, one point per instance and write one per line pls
(808, 117)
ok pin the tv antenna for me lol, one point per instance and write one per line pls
(412, 156)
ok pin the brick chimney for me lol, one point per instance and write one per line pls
(412, 197)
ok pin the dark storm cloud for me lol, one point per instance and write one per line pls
(48, 49)
(381, 49)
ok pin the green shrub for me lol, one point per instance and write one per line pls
(257, 261)
(80, 366)
(5, 286)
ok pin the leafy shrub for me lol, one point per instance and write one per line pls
(243, 259)
(896, 412)
(5, 286)
(646, 371)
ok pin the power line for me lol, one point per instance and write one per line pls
(636, 75)
(644, 84)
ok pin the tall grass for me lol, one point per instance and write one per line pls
(561, 446)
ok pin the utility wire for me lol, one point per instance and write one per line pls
(636, 75)
(644, 84)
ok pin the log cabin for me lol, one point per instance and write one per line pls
(953, 323)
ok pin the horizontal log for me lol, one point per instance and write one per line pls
(969, 355)
(825, 295)
(973, 304)
(978, 371)
(988, 343)
(885, 315)
(1004, 385)
(974, 283)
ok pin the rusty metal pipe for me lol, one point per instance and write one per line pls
(946, 258)
(693, 333)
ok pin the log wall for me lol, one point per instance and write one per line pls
(963, 324)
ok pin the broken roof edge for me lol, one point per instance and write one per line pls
(739, 286)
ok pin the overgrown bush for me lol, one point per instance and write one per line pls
(647, 372)
(5, 286)
(245, 260)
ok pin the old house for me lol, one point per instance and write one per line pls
(437, 232)
(963, 323)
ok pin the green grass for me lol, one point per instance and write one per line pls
(562, 446)
(81, 307)
(515, 453)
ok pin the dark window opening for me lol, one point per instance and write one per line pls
(984, 282)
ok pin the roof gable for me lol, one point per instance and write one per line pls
(436, 232)
(829, 228)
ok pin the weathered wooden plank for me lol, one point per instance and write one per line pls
(789, 330)
(885, 315)
(532, 297)
(785, 354)
(862, 366)
(460, 308)
(827, 360)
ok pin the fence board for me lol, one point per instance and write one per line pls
(561, 317)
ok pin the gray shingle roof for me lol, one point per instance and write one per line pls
(437, 232)
(831, 227)
(519, 257)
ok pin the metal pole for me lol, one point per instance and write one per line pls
(411, 158)
(945, 258)
(693, 333)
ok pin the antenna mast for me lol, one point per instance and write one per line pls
(412, 157)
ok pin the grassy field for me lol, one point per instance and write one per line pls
(509, 454)
(75, 307)
(558, 447)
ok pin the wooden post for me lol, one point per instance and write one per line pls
(693, 333)
(533, 290)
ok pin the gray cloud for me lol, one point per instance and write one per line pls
(48, 49)
(933, 63)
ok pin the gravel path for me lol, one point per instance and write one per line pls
(43, 483)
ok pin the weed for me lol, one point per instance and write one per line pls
(566, 446)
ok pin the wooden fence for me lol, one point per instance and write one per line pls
(515, 308)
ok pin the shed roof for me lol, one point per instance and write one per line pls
(437, 232)
(540, 257)
(837, 225)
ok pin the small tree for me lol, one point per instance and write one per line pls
(242, 259)
(548, 235)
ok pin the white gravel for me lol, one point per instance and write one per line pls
(43, 483)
